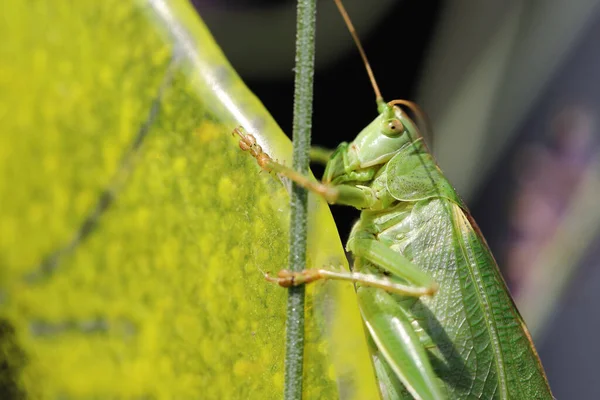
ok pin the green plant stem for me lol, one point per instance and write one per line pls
(303, 94)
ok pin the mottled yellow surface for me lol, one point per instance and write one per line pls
(160, 293)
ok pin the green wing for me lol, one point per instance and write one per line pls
(412, 175)
(483, 347)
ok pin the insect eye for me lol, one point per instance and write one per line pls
(393, 127)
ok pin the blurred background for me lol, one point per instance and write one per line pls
(512, 90)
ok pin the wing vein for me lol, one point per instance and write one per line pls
(463, 228)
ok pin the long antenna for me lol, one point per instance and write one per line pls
(340, 7)
(422, 120)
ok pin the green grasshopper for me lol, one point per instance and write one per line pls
(441, 321)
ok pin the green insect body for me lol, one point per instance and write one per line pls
(458, 335)
(476, 328)
(440, 319)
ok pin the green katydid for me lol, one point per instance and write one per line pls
(438, 312)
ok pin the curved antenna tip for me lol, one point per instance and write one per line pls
(422, 120)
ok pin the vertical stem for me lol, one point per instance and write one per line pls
(303, 94)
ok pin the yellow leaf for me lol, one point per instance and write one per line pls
(134, 232)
